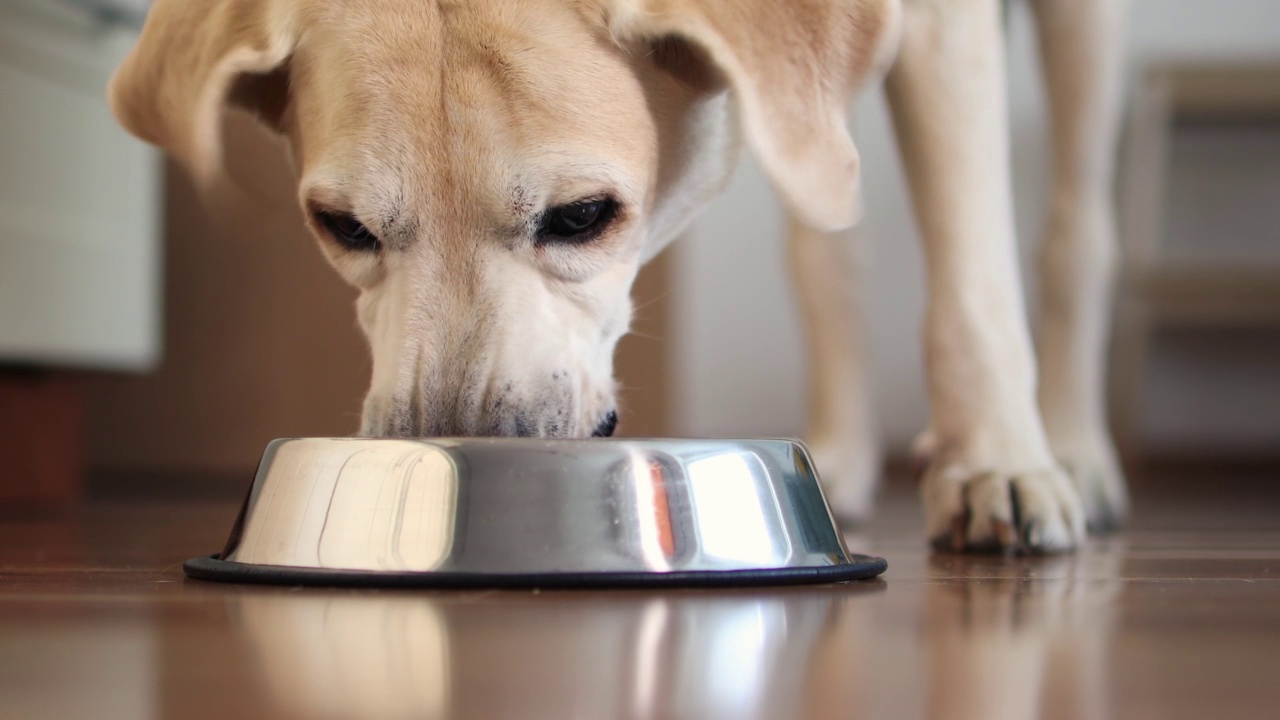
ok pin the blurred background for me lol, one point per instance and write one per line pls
(145, 344)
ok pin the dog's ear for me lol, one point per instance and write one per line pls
(194, 59)
(793, 66)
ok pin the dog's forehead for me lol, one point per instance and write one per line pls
(475, 97)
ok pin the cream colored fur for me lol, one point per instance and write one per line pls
(449, 127)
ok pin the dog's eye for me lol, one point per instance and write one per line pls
(348, 231)
(577, 222)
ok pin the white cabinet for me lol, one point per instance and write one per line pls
(80, 200)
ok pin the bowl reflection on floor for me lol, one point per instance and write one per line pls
(732, 655)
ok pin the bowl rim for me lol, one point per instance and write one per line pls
(213, 568)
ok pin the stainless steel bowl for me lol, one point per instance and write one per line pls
(536, 513)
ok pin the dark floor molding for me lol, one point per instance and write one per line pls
(168, 484)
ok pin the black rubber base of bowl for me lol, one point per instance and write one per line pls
(860, 567)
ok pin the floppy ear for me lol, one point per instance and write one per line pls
(793, 66)
(193, 59)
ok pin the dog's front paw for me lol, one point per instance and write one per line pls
(1094, 470)
(1032, 512)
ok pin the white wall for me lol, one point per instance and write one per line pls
(739, 363)
(79, 249)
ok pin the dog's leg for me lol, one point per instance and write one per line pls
(1082, 50)
(842, 434)
(992, 481)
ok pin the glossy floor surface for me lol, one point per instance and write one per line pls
(1179, 617)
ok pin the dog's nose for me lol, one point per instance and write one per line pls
(607, 426)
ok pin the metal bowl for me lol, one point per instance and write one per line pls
(534, 513)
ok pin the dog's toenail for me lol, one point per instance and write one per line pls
(959, 526)
(1032, 537)
(1005, 533)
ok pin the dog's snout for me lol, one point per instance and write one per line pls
(607, 426)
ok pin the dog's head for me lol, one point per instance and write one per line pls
(491, 174)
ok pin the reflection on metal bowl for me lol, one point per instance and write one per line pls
(520, 512)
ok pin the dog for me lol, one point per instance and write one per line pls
(491, 175)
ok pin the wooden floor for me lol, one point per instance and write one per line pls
(1179, 617)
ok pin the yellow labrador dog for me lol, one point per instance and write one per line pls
(491, 174)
